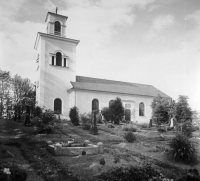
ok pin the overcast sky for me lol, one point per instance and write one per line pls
(154, 42)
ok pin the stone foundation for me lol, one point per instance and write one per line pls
(90, 149)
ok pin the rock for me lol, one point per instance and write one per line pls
(58, 145)
(195, 134)
(49, 142)
(87, 142)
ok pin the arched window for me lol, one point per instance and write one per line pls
(110, 102)
(95, 104)
(58, 105)
(57, 28)
(58, 59)
(141, 109)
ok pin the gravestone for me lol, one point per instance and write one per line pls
(93, 129)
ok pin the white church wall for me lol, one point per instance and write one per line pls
(84, 103)
(55, 80)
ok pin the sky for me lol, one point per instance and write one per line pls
(154, 42)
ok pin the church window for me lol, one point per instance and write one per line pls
(52, 60)
(64, 62)
(58, 105)
(58, 59)
(141, 109)
(110, 102)
(95, 104)
(57, 28)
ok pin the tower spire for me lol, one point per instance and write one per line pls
(56, 10)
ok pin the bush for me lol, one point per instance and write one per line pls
(117, 111)
(45, 124)
(106, 112)
(74, 115)
(145, 172)
(38, 111)
(102, 161)
(129, 127)
(182, 149)
(188, 128)
(130, 137)
(45, 129)
(86, 120)
(48, 116)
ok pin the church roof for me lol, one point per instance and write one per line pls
(103, 85)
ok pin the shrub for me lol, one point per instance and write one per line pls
(38, 111)
(48, 116)
(145, 172)
(187, 128)
(182, 149)
(74, 115)
(86, 120)
(117, 111)
(106, 112)
(130, 137)
(129, 127)
(45, 124)
(102, 161)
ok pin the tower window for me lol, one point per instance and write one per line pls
(141, 109)
(111, 102)
(64, 62)
(95, 104)
(58, 59)
(58, 105)
(52, 60)
(57, 28)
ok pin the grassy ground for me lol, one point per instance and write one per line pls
(31, 153)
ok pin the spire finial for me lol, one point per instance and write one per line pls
(56, 10)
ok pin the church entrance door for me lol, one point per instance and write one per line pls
(127, 115)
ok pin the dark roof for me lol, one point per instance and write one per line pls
(103, 85)
(56, 15)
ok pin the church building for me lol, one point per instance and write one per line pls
(59, 88)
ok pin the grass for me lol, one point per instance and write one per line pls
(43, 163)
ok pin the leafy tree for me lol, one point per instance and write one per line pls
(183, 111)
(162, 110)
(117, 111)
(74, 115)
(4, 89)
(22, 88)
(24, 96)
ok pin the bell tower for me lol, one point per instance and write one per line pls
(56, 65)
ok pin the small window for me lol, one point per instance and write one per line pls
(58, 105)
(110, 102)
(58, 59)
(65, 62)
(52, 60)
(95, 104)
(57, 28)
(141, 109)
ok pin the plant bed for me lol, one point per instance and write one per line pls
(90, 149)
